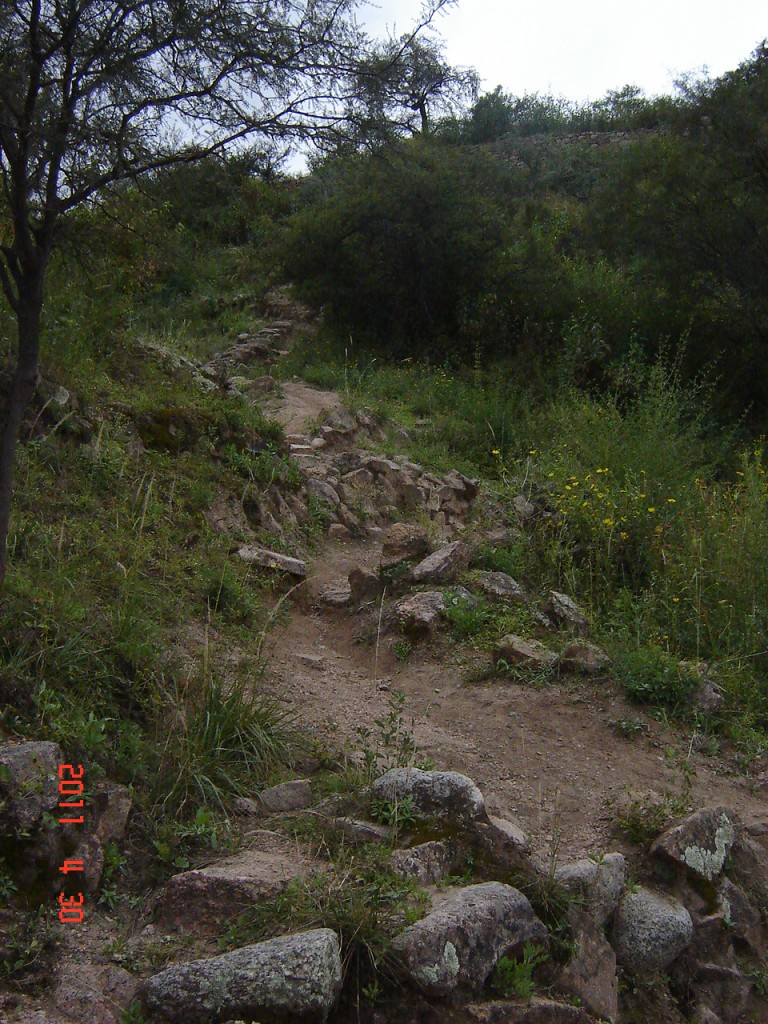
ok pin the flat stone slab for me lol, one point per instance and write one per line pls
(518, 652)
(273, 560)
(199, 900)
(294, 979)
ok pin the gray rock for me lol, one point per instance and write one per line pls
(502, 845)
(29, 783)
(199, 900)
(724, 990)
(364, 585)
(337, 597)
(94, 994)
(272, 560)
(294, 795)
(294, 979)
(516, 651)
(525, 509)
(110, 808)
(701, 843)
(360, 832)
(443, 565)
(584, 658)
(420, 613)
(650, 930)
(403, 542)
(565, 613)
(742, 917)
(590, 973)
(323, 491)
(500, 585)
(427, 863)
(446, 795)
(461, 942)
(535, 1011)
(599, 883)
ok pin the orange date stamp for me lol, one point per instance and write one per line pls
(70, 788)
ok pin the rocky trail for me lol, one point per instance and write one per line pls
(523, 778)
(547, 755)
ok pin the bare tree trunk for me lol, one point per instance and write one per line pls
(19, 396)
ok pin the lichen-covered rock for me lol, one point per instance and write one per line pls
(199, 900)
(403, 542)
(294, 979)
(701, 843)
(502, 586)
(447, 795)
(600, 884)
(517, 652)
(420, 613)
(29, 783)
(650, 930)
(565, 613)
(443, 565)
(590, 973)
(584, 658)
(461, 942)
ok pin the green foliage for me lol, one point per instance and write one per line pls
(394, 247)
(650, 675)
(229, 738)
(514, 978)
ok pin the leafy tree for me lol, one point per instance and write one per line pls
(94, 92)
(405, 86)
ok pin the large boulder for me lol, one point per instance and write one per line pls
(461, 942)
(29, 783)
(294, 979)
(650, 930)
(447, 795)
(701, 843)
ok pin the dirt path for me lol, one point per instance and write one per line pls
(549, 756)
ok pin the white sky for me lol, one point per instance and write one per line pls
(581, 48)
